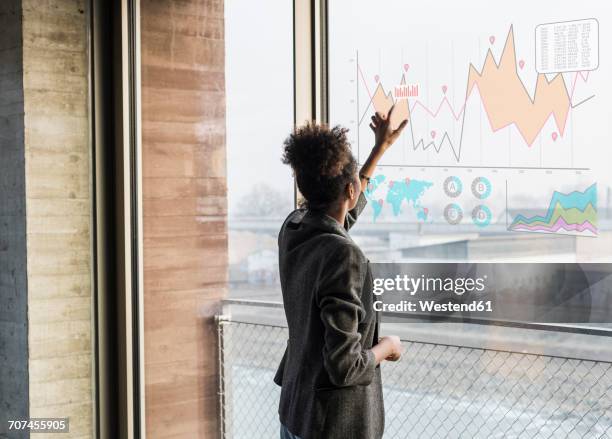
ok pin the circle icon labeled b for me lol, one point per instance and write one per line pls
(481, 188)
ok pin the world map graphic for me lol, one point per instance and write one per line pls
(398, 196)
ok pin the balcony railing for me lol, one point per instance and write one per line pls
(478, 386)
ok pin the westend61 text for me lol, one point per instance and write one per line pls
(433, 306)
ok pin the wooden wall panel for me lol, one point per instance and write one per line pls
(185, 212)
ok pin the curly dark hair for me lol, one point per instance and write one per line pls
(322, 162)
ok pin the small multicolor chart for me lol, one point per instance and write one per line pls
(573, 213)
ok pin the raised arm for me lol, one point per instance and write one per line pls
(384, 137)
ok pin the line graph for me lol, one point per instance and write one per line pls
(517, 95)
(505, 99)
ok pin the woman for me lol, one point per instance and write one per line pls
(330, 375)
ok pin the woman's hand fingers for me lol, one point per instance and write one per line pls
(390, 112)
(375, 123)
(381, 125)
(396, 133)
(393, 357)
(399, 129)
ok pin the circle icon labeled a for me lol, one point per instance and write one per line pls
(453, 186)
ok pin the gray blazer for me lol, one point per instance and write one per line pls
(331, 385)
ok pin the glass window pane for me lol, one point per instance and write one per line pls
(505, 158)
(259, 83)
(498, 161)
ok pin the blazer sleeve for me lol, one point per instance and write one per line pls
(353, 214)
(278, 376)
(339, 299)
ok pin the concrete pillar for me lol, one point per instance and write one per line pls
(45, 211)
(14, 381)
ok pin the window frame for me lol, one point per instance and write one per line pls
(310, 65)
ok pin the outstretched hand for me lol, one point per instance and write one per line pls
(384, 137)
(383, 133)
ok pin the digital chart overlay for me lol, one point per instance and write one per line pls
(505, 99)
(573, 213)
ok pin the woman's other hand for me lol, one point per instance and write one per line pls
(388, 348)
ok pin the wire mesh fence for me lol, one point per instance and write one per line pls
(435, 391)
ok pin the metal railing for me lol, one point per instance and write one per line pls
(436, 391)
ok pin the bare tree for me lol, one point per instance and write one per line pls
(264, 201)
